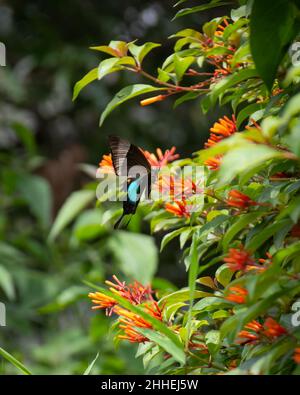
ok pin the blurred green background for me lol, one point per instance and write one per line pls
(44, 140)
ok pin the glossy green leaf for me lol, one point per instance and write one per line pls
(272, 30)
(140, 51)
(224, 275)
(112, 65)
(164, 342)
(181, 65)
(126, 94)
(242, 222)
(192, 10)
(87, 79)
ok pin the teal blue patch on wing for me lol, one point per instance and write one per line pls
(133, 191)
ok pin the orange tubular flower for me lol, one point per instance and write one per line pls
(130, 321)
(239, 200)
(222, 129)
(175, 188)
(273, 329)
(135, 293)
(102, 302)
(161, 159)
(296, 356)
(213, 163)
(154, 99)
(270, 329)
(245, 336)
(106, 164)
(254, 326)
(238, 259)
(237, 295)
(178, 208)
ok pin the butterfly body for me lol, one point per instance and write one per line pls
(130, 162)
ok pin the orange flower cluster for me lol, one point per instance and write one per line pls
(174, 187)
(221, 130)
(128, 321)
(239, 200)
(161, 159)
(136, 294)
(240, 259)
(178, 208)
(237, 295)
(254, 331)
(106, 164)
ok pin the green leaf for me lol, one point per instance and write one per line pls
(224, 275)
(272, 29)
(140, 51)
(186, 97)
(212, 340)
(183, 295)
(115, 48)
(170, 236)
(126, 94)
(263, 235)
(136, 255)
(242, 222)
(226, 83)
(244, 158)
(36, 191)
(187, 11)
(112, 65)
(193, 272)
(247, 112)
(14, 361)
(211, 303)
(72, 206)
(91, 365)
(164, 342)
(87, 79)
(181, 65)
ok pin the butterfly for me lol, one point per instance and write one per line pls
(130, 163)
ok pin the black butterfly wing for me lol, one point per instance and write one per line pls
(122, 150)
(127, 157)
(119, 150)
